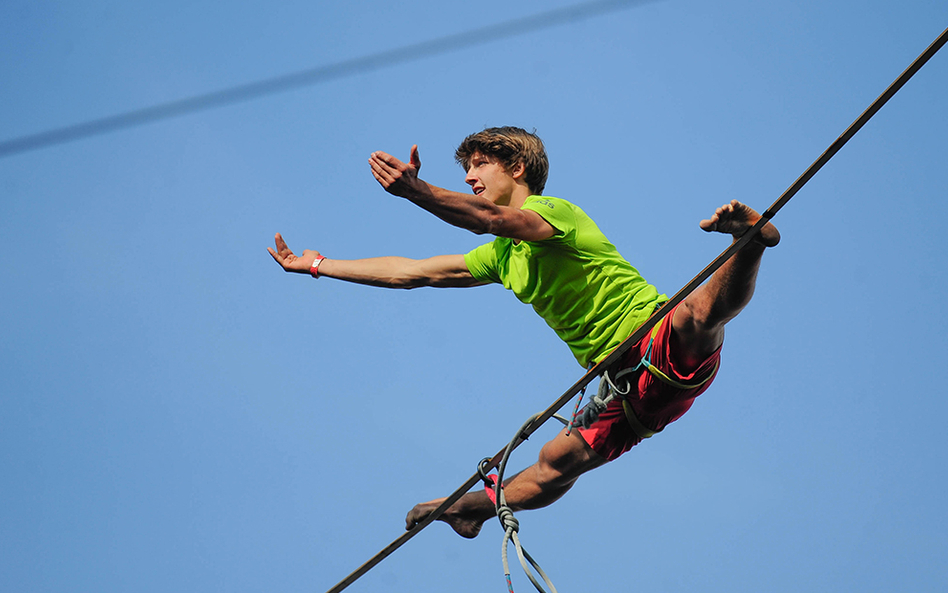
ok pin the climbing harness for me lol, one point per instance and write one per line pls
(609, 390)
(535, 423)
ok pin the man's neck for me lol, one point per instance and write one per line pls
(519, 196)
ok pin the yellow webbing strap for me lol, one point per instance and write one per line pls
(637, 427)
(665, 378)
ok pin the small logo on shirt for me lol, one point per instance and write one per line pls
(546, 203)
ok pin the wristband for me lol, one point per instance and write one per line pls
(314, 269)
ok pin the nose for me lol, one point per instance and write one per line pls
(470, 179)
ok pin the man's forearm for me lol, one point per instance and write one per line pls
(387, 272)
(466, 211)
(401, 272)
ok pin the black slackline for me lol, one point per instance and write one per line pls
(661, 311)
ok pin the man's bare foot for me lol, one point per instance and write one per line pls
(735, 218)
(466, 523)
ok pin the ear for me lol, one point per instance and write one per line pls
(518, 170)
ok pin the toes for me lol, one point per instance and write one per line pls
(414, 517)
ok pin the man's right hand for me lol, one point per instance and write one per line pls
(288, 260)
(398, 178)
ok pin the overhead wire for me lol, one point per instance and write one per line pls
(661, 312)
(312, 76)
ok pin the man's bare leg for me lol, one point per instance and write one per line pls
(561, 462)
(699, 321)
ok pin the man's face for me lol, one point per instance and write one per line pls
(489, 179)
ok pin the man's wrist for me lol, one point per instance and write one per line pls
(314, 269)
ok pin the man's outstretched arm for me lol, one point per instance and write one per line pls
(467, 211)
(387, 272)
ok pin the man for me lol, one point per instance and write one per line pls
(552, 256)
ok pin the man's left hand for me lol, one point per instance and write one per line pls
(288, 260)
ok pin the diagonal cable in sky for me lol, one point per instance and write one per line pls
(312, 76)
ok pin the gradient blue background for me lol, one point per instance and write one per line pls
(177, 414)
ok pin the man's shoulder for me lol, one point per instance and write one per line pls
(562, 214)
(549, 201)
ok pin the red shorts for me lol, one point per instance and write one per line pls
(655, 403)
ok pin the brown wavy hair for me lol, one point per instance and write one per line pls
(511, 146)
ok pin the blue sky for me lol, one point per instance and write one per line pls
(179, 414)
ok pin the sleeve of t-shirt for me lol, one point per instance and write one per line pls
(482, 263)
(557, 212)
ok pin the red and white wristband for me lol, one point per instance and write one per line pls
(314, 269)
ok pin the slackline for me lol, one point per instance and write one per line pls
(661, 311)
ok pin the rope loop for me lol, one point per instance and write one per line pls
(609, 389)
(482, 471)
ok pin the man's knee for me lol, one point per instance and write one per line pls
(697, 332)
(699, 314)
(565, 458)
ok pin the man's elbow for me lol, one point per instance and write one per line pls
(489, 223)
(408, 282)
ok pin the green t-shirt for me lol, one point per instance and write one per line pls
(576, 280)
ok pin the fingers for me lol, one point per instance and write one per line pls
(275, 255)
(378, 177)
(398, 178)
(380, 166)
(282, 255)
(282, 249)
(384, 174)
(280, 243)
(385, 159)
(388, 170)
